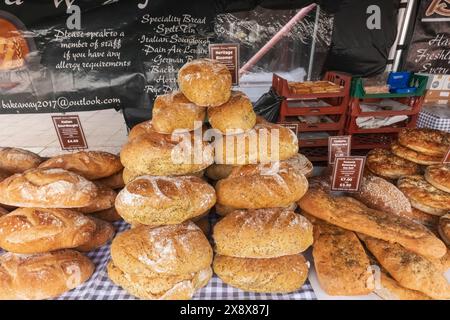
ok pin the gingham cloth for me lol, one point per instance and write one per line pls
(429, 119)
(99, 287)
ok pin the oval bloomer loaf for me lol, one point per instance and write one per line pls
(262, 233)
(37, 230)
(42, 276)
(15, 160)
(47, 188)
(257, 186)
(205, 82)
(173, 111)
(114, 181)
(275, 275)
(104, 232)
(156, 201)
(166, 250)
(105, 200)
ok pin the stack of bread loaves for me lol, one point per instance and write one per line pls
(48, 226)
(168, 256)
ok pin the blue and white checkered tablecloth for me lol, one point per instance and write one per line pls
(99, 287)
(435, 117)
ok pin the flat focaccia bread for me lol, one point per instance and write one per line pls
(439, 176)
(414, 156)
(424, 196)
(427, 141)
(341, 264)
(384, 163)
(349, 213)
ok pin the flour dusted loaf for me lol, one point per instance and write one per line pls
(379, 194)
(409, 269)
(144, 128)
(114, 181)
(168, 250)
(389, 289)
(261, 186)
(33, 230)
(424, 196)
(105, 200)
(156, 201)
(15, 160)
(301, 163)
(444, 228)
(104, 232)
(234, 116)
(262, 233)
(205, 82)
(414, 156)
(275, 275)
(89, 164)
(254, 148)
(42, 276)
(350, 214)
(439, 176)
(47, 188)
(385, 164)
(174, 111)
(180, 287)
(341, 264)
(426, 141)
(164, 155)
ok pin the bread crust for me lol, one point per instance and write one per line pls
(129, 175)
(15, 160)
(390, 289)
(439, 176)
(275, 275)
(444, 228)
(257, 186)
(4, 174)
(174, 111)
(47, 188)
(42, 276)
(239, 234)
(421, 217)
(384, 163)
(89, 164)
(427, 141)
(350, 214)
(205, 82)
(234, 116)
(409, 269)
(114, 181)
(424, 196)
(109, 215)
(341, 264)
(222, 210)
(168, 250)
(414, 156)
(144, 128)
(218, 171)
(3, 211)
(104, 232)
(152, 200)
(105, 200)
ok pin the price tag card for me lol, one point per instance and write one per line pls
(347, 173)
(228, 54)
(447, 157)
(70, 132)
(338, 146)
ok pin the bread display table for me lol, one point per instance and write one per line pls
(100, 287)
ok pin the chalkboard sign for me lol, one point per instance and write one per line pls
(429, 51)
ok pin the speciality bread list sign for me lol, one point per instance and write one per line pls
(70, 133)
(338, 146)
(347, 173)
(228, 54)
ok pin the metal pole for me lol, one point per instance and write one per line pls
(403, 33)
(313, 44)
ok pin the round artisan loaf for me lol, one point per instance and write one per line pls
(129, 175)
(37, 230)
(164, 155)
(257, 186)
(113, 182)
(385, 164)
(179, 287)
(414, 156)
(427, 141)
(424, 196)
(302, 164)
(222, 210)
(173, 111)
(234, 116)
(104, 232)
(47, 188)
(144, 128)
(266, 142)
(444, 228)
(89, 164)
(439, 176)
(42, 276)
(379, 194)
(154, 201)
(263, 233)
(15, 160)
(105, 200)
(218, 171)
(275, 275)
(169, 250)
(109, 215)
(205, 82)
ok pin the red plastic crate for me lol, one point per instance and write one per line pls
(372, 140)
(337, 124)
(315, 154)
